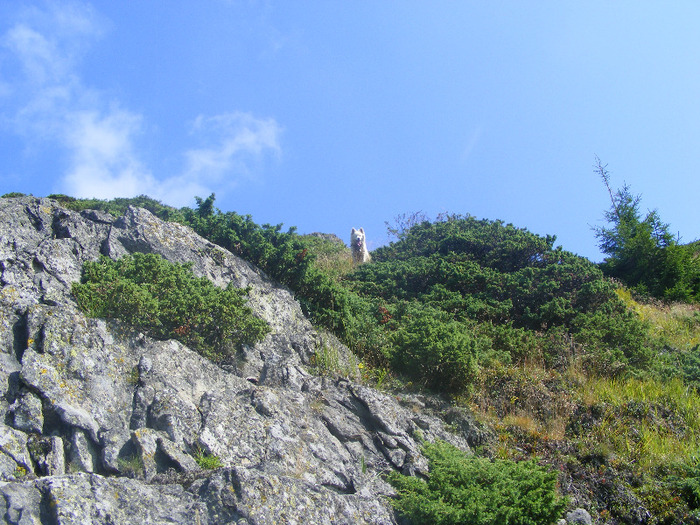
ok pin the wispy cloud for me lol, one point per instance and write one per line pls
(44, 99)
(48, 43)
(230, 138)
(471, 143)
(39, 52)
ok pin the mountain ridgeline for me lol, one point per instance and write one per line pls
(491, 291)
(564, 370)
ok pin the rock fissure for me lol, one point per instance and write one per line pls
(20, 336)
(48, 507)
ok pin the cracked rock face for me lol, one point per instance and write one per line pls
(105, 425)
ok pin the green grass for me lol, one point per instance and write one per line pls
(676, 324)
(331, 257)
(649, 423)
(327, 361)
(131, 466)
(207, 461)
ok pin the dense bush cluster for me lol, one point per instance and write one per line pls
(469, 489)
(487, 271)
(448, 296)
(509, 292)
(166, 300)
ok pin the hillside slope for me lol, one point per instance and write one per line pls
(472, 332)
(102, 424)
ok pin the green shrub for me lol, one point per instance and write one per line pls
(689, 487)
(467, 489)
(507, 284)
(431, 348)
(167, 301)
(689, 362)
(488, 271)
(283, 255)
(12, 194)
(119, 205)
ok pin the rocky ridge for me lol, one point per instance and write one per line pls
(102, 424)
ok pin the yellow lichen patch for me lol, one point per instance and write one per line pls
(9, 294)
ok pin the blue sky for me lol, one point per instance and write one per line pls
(328, 115)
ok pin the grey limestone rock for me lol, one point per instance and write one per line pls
(91, 498)
(578, 517)
(16, 460)
(110, 419)
(82, 452)
(239, 493)
(21, 504)
(27, 412)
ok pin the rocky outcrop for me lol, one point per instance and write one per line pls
(102, 424)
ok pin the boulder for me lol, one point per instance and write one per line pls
(578, 517)
(91, 498)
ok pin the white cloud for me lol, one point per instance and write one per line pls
(36, 53)
(55, 106)
(48, 43)
(231, 139)
(99, 137)
(103, 161)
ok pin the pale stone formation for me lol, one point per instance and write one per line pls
(578, 517)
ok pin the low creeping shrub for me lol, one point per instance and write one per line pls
(467, 489)
(167, 301)
(429, 347)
